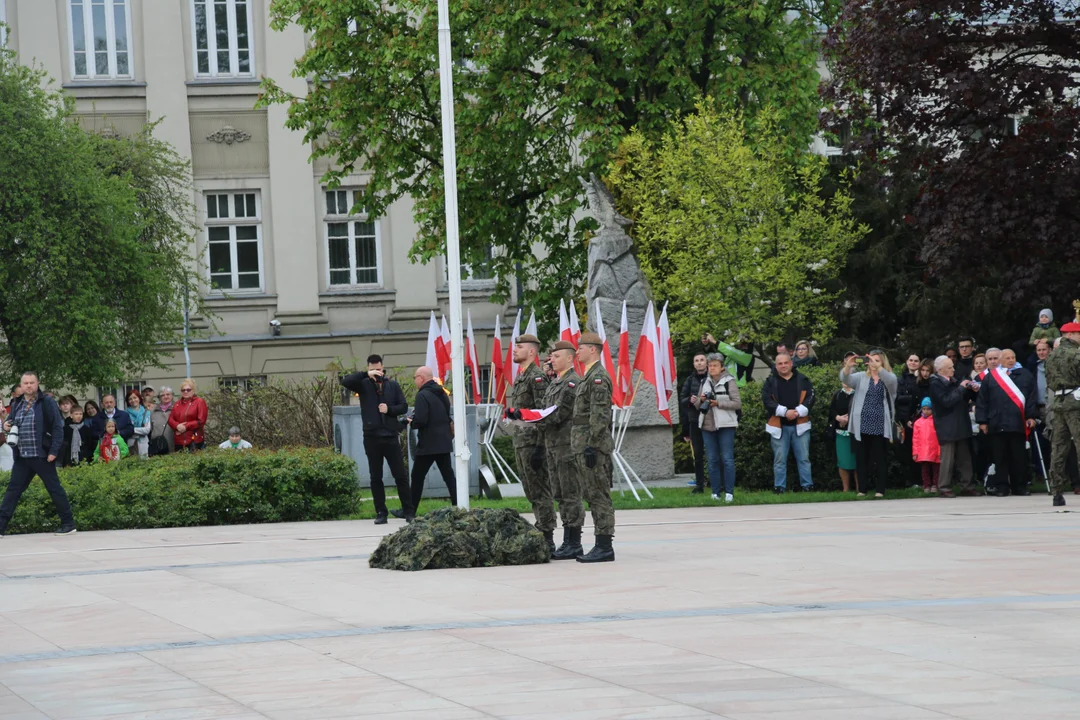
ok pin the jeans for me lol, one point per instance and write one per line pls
(720, 449)
(781, 446)
(385, 447)
(21, 474)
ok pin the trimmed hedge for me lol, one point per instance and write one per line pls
(214, 487)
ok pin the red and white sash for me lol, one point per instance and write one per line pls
(1012, 391)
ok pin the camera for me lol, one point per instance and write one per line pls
(705, 402)
(13, 435)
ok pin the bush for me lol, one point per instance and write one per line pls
(278, 414)
(209, 488)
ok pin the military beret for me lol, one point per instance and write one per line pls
(563, 345)
(1070, 327)
(591, 339)
(528, 339)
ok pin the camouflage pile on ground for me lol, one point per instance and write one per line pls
(456, 538)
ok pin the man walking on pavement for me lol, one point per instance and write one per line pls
(530, 385)
(591, 444)
(1063, 393)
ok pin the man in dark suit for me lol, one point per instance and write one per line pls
(381, 403)
(1005, 411)
(124, 427)
(435, 442)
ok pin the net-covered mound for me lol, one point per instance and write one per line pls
(456, 538)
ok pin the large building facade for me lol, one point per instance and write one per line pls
(295, 281)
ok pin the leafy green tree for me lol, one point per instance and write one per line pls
(732, 231)
(544, 92)
(95, 234)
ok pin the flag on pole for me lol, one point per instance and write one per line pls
(471, 359)
(433, 339)
(667, 353)
(442, 351)
(509, 367)
(621, 382)
(575, 329)
(530, 329)
(564, 324)
(650, 363)
(497, 378)
(605, 358)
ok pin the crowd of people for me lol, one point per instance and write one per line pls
(42, 432)
(960, 423)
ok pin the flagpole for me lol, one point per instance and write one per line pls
(453, 255)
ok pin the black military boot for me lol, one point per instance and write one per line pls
(549, 536)
(1059, 500)
(571, 545)
(601, 552)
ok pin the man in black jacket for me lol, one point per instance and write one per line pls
(435, 443)
(966, 362)
(381, 403)
(41, 433)
(1005, 412)
(951, 396)
(690, 431)
(124, 427)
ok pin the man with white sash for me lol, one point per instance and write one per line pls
(1005, 411)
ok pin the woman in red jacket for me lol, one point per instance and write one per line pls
(188, 418)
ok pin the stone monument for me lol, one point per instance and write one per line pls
(614, 276)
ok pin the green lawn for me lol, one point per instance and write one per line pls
(666, 498)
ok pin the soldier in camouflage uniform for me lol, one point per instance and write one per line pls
(528, 393)
(561, 463)
(1063, 392)
(591, 444)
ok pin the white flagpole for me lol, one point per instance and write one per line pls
(453, 255)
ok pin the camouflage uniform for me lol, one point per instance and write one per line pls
(1063, 373)
(592, 428)
(561, 463)
(528, 392)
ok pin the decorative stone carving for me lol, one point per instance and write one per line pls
(228, 135)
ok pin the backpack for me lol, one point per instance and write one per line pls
(158, 446)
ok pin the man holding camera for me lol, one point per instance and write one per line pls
(381, 403)
(530, 385)
(36, 428)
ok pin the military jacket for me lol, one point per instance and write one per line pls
(591, 424)
(528, 392)
(1063, 373)
(555, 428)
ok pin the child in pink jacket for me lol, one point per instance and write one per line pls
(925, 449)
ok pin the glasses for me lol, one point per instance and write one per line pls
(183, 390)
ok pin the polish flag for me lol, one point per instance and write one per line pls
(667, 353)
(605, 358)
(621, 382)
(497, 365)
(433, 340)
(534, 415)
(509, 366)
(575, 329)
(564, 324)
(649, 361)
(442, 351)
(530, 329)
(471, 360)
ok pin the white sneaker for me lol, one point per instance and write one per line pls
(715, 496)
(728, 497)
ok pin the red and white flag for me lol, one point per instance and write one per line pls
(564, 324)
(431, 359)
(621, 382)
(442, 351)
(575, 329)
(605, 358)
(497, 378)
(530, 329)
(509, 366)
(650, 362)
(534, 415)
(471, 360)
(667, 353)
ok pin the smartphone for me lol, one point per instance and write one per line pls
(860, 360)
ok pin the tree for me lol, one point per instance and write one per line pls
(733, 232)
(544, 92)
(978, 102)
(95, 239)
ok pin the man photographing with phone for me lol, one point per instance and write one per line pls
(381, 403)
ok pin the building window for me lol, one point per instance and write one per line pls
(120, 392)
(222, 37)
(234, 240)
(100, 38)
(241, 384)
(475, 274)
(352, 241)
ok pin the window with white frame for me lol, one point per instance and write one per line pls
(352, 241)
(234, 240)
(100, 39)
(474, 274)
(222, 37)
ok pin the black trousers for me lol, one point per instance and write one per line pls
(386, 447)
(1010, 462)
(420, 466)
(871, 460)
(22, 474)
(697, 445)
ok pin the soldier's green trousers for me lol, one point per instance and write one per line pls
(537, 489)
(1066, 432)
(562, 471)
(596, 488)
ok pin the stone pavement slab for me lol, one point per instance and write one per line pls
(899, 610)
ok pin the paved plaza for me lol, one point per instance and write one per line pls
(896, 610)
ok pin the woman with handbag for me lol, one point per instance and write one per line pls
(873, 418)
